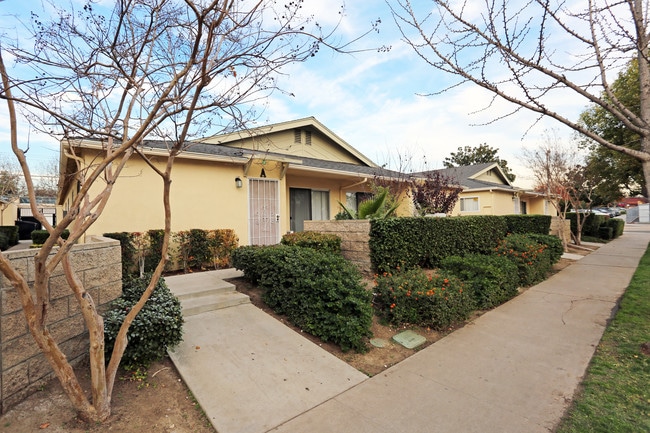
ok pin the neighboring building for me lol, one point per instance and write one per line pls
(261, 182)
(487, 191)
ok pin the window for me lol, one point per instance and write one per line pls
(469, 204)
(308, 138)
(307, 204)
(320, 205)
(297, 136)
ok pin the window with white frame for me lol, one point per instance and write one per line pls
(320, 205)
(469, 204)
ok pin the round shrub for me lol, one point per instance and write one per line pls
(158, 326)
(493, 280)
(412, 297)
(533, 259)
(553, 243)
(319, 292)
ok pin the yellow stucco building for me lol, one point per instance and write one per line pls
(260, 182)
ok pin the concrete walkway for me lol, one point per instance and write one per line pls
(514, 369)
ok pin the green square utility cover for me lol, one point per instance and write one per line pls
(409, 339)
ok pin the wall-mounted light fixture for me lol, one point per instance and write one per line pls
(238, 182)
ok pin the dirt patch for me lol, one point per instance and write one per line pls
(160, 403)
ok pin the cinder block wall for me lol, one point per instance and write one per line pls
(23, 369)
(355, 235)
(556, 228)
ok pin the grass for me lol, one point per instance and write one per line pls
(615, 394)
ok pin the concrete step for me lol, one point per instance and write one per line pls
(211, 302)
(201, 292)
(193, 289)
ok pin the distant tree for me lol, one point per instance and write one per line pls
(10, 185)
(47, 181)
(435, 193)
(623, 173)
(549, 164)
(480, 154)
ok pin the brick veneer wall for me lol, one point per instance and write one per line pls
(355, 235)
(23, 368)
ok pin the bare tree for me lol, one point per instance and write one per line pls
(550, 163)
(518, 52)
(579, 186)
(169, 69)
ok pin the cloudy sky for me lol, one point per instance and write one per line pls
(374, 101)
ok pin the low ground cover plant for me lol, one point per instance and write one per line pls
(158, 326)
(438, 300)
(492, 280)
(319, 292)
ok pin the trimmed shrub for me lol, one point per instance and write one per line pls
(533, 260)
(406, 243)
(491, 280)
(154, 252)
(158, 326)
(617, 225)
(553, 243)
(319, 292)
(411, 297)
(39, 237)
(250, 259)
(11, 233)
(523, 224)
(325, 242)
(4, 242)
(606, 233)
(128, 250)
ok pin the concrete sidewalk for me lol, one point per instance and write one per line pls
(515, 369)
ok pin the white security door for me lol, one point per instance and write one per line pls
(263, 212)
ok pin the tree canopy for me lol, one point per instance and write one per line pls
(480, 154)
(623, 173)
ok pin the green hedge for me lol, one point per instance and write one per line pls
(540, 224)
(319, 292)
(309, 239)
(492, 280)
(553, 243)
(413, 297)
(617, 225)
(4, 242)
(158, 326)
(39, 237)
(11, 234)
(129, 252)
(405, 243)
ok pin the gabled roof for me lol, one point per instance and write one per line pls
(312, 123)
(468, 177)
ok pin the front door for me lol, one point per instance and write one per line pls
(263, 212)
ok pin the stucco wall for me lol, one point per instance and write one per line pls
(355, 235)
(23, 369)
